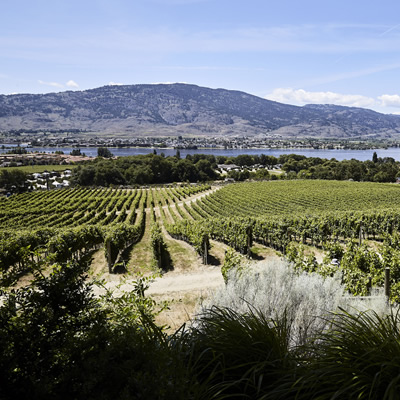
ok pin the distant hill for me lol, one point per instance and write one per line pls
(182, 109)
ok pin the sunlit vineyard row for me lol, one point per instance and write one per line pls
(76, 207)
(277, 198)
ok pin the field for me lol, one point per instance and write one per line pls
(31, 169)
(132, 231)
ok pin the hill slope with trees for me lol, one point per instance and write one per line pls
(183, 109)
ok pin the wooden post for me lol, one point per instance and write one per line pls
(369, 285)
(360, 237)
(205, 252)
(249, 233)
(387, 283)
(159, 261)
(109, 261)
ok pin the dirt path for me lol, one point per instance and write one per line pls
(207, 278)
(184, 287)
(197, 278)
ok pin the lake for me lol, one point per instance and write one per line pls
(339, 155)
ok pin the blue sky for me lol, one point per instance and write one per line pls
(296, 52)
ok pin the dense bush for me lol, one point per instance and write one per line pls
(58, 341)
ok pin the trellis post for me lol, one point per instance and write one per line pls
(109, 260)
(205, 249)
(249, 233)
(387, 283)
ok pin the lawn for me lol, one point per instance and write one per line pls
(39, 168)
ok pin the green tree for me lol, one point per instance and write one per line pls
(108, 175)
(244, 159)
(206, 172)
(76, 152)
(260, 174)
(184, 171)
(17, 150)
(104, 152)
(84, 175)
(140, 175)
(13, 180)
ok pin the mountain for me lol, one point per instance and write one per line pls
(182, 109)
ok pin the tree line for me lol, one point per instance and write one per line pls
(375, 170)
(158, 169)
(145, 169)
(301, 167)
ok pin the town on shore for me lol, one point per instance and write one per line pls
(83, 140)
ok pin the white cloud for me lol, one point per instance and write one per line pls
(54, 84)
(72, 84)
(301, 97)
(390, 100)
(115, 84)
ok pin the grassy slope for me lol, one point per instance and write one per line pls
(31, 169)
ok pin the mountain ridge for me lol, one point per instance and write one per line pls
(186, 109)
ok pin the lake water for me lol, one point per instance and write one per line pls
(339, 155)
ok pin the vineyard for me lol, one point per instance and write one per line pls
(71, 223)
(355, 224)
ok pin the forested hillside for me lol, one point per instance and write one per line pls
(183, 109)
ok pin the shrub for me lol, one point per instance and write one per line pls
(241, 355)
(357, 358)
(276, 288)
(233, 260)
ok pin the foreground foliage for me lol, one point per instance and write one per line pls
(357, 358)
(59, 341)
(277, 333)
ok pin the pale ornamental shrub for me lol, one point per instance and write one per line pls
(276, 288)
